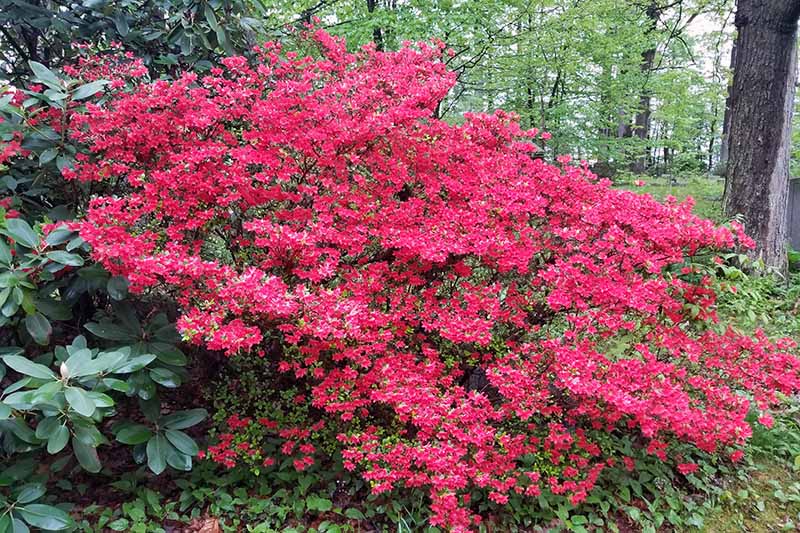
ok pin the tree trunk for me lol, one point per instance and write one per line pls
(641, 124)
(762, 103)
(726, 121)
(377, 34)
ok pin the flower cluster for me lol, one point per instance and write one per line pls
(456, 304)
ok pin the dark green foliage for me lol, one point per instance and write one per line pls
(168, 34)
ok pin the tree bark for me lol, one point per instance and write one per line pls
(762, 102)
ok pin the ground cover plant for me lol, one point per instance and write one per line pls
(454, 313)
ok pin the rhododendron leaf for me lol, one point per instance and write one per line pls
(59, 236)
(5, 253)
(134, 434)
(78, 364)
(101, 400)
(80, 401)
(121, 23)
(183, 419)
(53, 309)
(39, 328)
(178, 460)
(211, 18)
(157, 454)
(109, 331)
(134, 364)
(30, 492)
(45, 75)
(58, 440)
(47, 155)
(117, 385)
(182, 442)
(65, 258)
(165, 377)
(47, 392)
(22, 233)
(89, 89)
(167, 353)
(45, 517)
(18, 526)
(47, 427)
(86, 455)
(117, 287)
(105, 362)
(23, 365)
(151, 408)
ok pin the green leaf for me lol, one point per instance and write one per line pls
(117, 287)
(23, 365)
(80, 401)
(18, 526)
(58, 440)
(45, 75)
(77, 363)
(106, 361)
(5, 253)
(101, 400)
(134, 364)
(184, 419)
(5, 412)
(315, 503)
(117, 385)
(121, 24)
(47, 427)
(22, 233)
(109, 331)
(354, 514)
(178, 461)
(157, 454)
(59, 236)
(45, 516)
(65, 258)
(151, 408)
(134, 434)
(30, 492)
(165, 377)
(211, 18)
(120, 524)
(47, 392)
(89, 89)
(86, 455)
(47, 155)
(167, 353)
(182, 442)
(39, 328)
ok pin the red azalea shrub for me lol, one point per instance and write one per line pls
(455, 304)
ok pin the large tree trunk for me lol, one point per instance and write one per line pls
(762, 102)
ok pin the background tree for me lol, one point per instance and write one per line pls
(762, 102)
